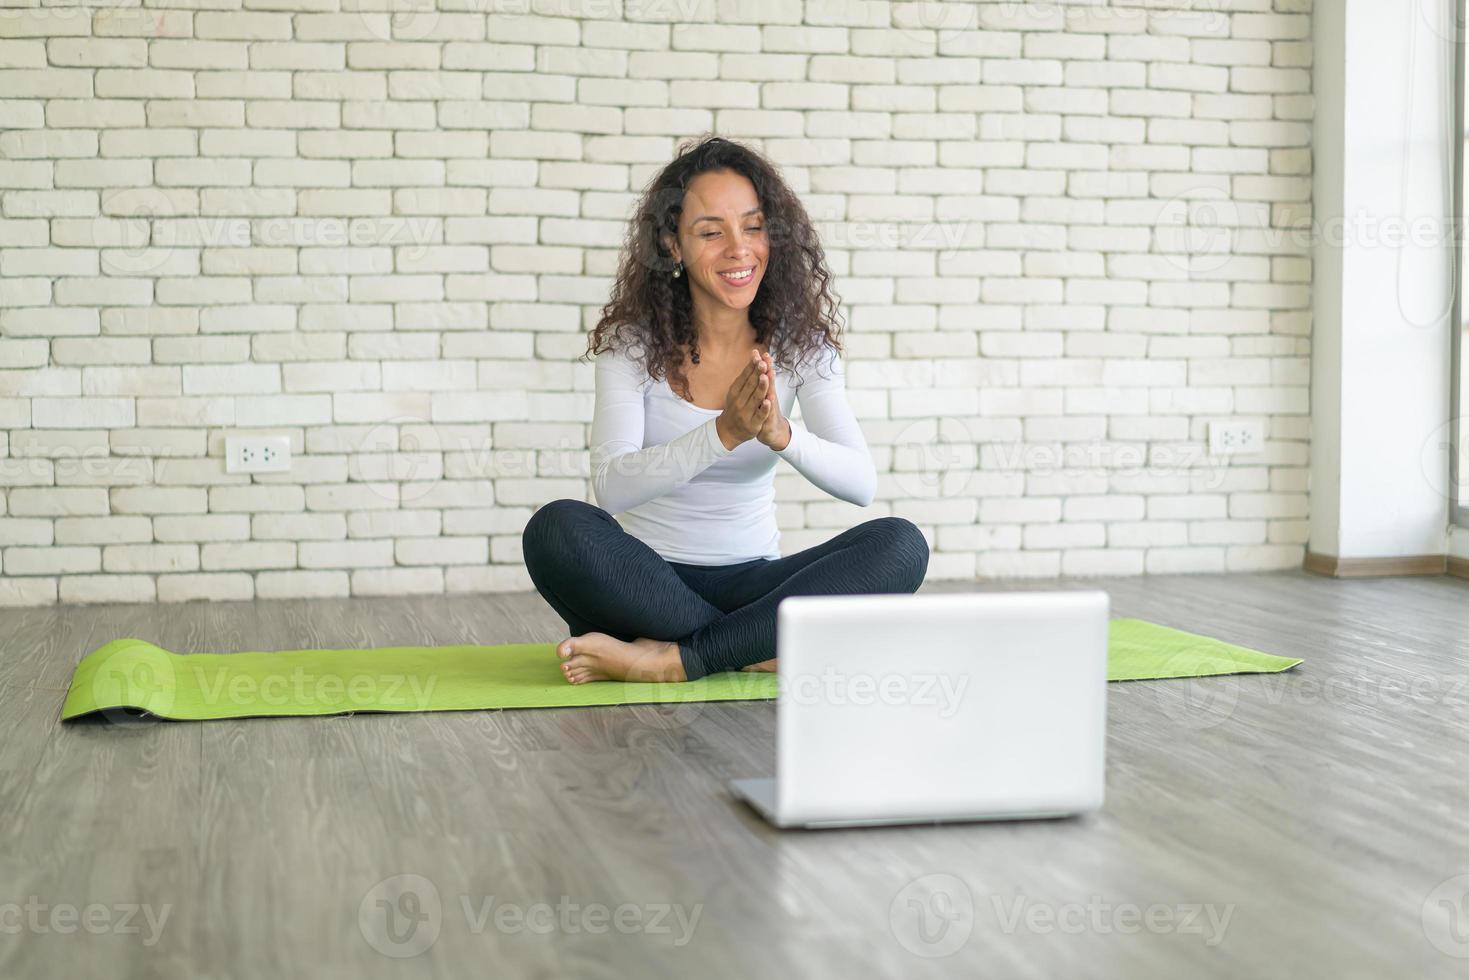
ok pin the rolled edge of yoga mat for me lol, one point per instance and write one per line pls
(129, 674)
(126, 673)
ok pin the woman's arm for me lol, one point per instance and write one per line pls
(624, 474)
(832, 453)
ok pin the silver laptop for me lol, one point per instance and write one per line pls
(920, 708)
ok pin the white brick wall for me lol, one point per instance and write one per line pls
(384, 235)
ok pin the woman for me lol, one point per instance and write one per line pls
(720, 299)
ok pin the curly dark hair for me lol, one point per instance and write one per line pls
(794, 313)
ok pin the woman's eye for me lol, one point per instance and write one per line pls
(712, 234)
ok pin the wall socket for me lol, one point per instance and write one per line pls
(1236, 437)
(257, 454)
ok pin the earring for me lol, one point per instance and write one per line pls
(678, 270)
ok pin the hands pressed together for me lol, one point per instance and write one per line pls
(752, 407)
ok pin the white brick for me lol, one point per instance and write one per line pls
(1101, 561)
(143, 83)
(51, 561)
(1263, 557)
(107, 588)
(219, 587)
(367, 553)
(301, 585)
(150, 558)
(248, 26)
(1162, 561)
(247, 555)
(231, 379)
(27, 591)
(82, 413)
(99, 52)
(397, 581)
(444, 551)
(488, 578)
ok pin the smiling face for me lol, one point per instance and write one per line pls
(721, 240)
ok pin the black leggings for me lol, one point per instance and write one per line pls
(600, 578)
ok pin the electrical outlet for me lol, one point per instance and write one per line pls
(1236, 437)
(257, 454)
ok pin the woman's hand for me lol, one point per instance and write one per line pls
(748, 404)
(776, 432)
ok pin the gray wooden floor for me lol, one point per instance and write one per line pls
(1304, 824)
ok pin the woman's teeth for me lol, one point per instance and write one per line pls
(738, 276)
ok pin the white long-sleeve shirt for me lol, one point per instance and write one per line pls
(659, 465)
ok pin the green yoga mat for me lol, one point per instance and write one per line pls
(134, 674)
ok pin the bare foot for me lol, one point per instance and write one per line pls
(599, 657)
(763, 667)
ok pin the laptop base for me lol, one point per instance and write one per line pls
(761, 795)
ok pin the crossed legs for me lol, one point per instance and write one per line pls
(634, 615)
